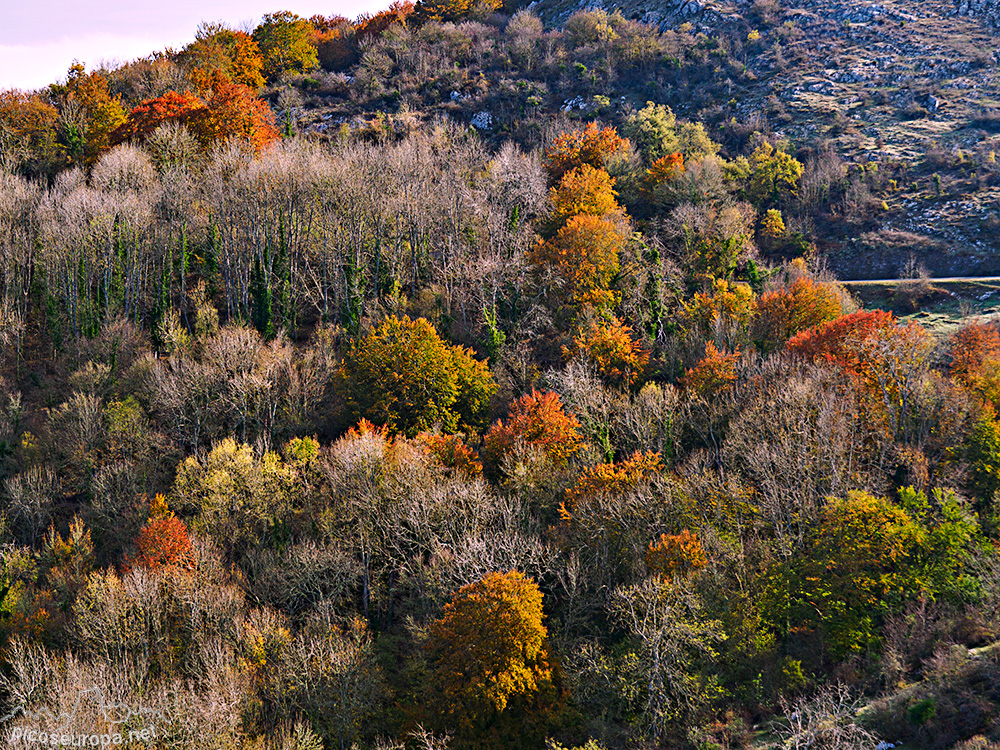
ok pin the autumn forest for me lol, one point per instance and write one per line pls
(386, 431)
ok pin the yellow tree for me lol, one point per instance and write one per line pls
(404, 376)
(285, 41)
(490, 662)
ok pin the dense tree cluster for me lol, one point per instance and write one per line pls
(406, 438)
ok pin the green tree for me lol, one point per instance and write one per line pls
(404, 376)
(772, 171)
(285, 41)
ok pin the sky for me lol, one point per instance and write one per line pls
(39, 39)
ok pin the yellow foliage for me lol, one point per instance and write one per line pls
(489, 649)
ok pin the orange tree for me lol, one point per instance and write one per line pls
(491, 680)
(782, 313)
(591, 146)
(234, 111)
(610, 349)
(583, 190)
(536, 419)
(584, 257)
(235, 54)
(404, 376)
(86, 134)
(713, 373)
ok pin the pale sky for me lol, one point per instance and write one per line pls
(39, 39)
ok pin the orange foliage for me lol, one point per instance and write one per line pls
(884, 358)
(583, 190)
(162, 543)
(663, 170)
(537, 419)
(784, 312)
(489, 652)
(217, 49)
(972, 347)
(584, 255)
(675, 554)
(368, 27)
(589, 146)
(26, 115)
(150, 114)
(235, 111)
(611, 478)
(104, 112)
(609, 347)
(232, 111)
(452, 453)
(713, 374)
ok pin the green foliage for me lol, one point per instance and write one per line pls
(285, 43)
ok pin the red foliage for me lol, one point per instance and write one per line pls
(232, 111)
(162, 543)
(837, 340)
(148, 116)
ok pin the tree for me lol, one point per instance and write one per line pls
(782, 313)
(234, 111)
(490, 671)
(715, 238)
(972, 347)
(834, 341)
(772, 171)
(713, 374)
(661, 172)
(30, 123)
(284, 41)
(589, 146)
(452, 10)
(583, 256)
(582, 190)
(89, 112)
(860, 560)
(675, 554)
(217, 48)
(163, 543)
(402, 375)
(609, 347)
(613, 478)
(150, 114)
(537, 419)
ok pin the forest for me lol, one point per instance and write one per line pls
(405, 433)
